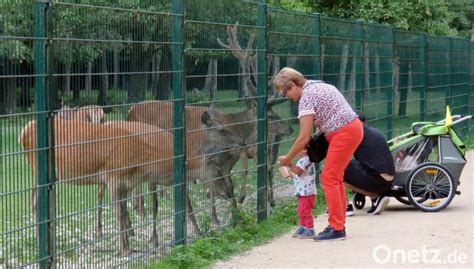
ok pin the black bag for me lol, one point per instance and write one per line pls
(317, 148)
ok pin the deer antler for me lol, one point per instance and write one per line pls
(248, 61)
(246, 57)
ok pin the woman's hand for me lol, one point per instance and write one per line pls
(284, 161)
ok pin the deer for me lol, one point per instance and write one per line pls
(277, 129)
(196, 165)
(160, 114)
(87, 154)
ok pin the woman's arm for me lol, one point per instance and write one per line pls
(306, 128)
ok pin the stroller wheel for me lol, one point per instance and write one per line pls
(358, 200)
(430, 187)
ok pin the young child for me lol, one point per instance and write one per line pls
(303, 173)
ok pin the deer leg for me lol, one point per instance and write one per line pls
(233, 203)
(139, 205)
(243, 191)
(117, 195)
(33, 203)
(154, 202)
(192, 217)
(100, 199)
(214, 217)
(128, 222)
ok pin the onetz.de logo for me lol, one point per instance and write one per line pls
(383, 254)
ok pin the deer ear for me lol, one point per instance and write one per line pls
(206, 119)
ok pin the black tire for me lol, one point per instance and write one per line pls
(358, 200)
(430, 187)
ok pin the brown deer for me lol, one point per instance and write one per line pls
(277, 129)
(160, 114)
(87, 153)
(195, 165)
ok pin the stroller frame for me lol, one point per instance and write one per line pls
(429, 161)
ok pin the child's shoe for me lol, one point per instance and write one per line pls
(307, 233)
(298, 232)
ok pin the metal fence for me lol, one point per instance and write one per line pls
(130, 176)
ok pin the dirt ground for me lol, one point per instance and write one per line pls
(401, 237)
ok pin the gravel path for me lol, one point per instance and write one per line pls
(401, 237)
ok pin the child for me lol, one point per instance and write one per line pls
(305, 189)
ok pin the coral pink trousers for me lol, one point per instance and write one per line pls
(342, 144)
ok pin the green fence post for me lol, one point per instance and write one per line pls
(45, 191)
(179, 131)
(261, 111)
(423, 60)
(316, 49)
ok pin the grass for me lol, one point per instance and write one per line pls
(205, 251)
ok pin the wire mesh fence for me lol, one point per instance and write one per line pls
(129, 127)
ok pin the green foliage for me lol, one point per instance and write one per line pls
(246, 235)
(463, 12)
(438, 17)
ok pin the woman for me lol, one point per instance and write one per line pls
(324, 106)
(372, 171)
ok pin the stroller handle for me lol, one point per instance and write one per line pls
(460, 118)
(454, 117)
(457, 119)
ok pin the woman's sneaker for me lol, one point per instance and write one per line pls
(298, 232)
(329, 234)
(379, 204)
(349, 210)
(307, 234)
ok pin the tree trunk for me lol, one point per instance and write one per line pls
(115, 83)
(472, 31)
(209, 77)
(136, 92)
(402, 105)
(343, 67)
(322, 58)
(352, 83)
(140, 61)
(8, 96)
(67, 77)
(156, 75)
(377, 72)
(88, 83)
(214, 80)
(366, 63)
(165, 78)
(104, 85)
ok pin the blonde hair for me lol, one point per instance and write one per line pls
(285, 76)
